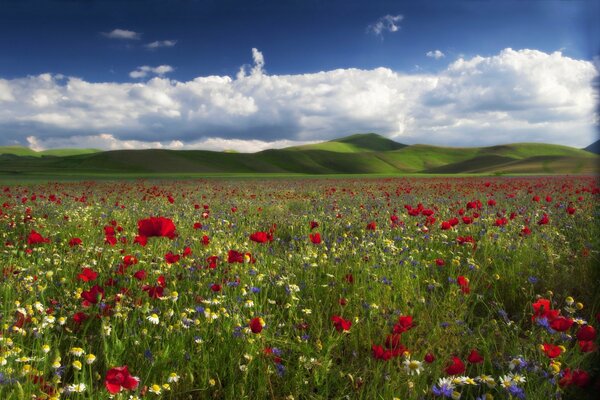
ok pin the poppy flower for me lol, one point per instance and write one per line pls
(171, 258)
(586, 332)
(341, 324)
(87, 275)
(463, 282)
(141, 240)
(380, 353)
(157, 227)
(75, 242)
(544, 220)
(586, 346)
(551, 350)
(474, 357)
(93, 295)
(561, 324)
(313, 225)
(371, 226)
(119, 378)
(140, 275)
(429, 358)
(446, 225)
(315, 238)
(235, 257)
(261, 237)
(525, 231)
(256, 325)
(36, 238)
(405, 323)
(439, 262)
(456, 367)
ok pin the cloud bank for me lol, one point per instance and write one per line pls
(514, 96)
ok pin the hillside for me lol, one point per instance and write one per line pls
(26, 151)
(594, 147)
(356, 154)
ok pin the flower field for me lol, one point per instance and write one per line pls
(408, 288)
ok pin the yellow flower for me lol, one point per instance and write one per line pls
(77, 365)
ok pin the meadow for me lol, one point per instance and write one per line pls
(346, 288)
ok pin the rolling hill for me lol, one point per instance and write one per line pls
(357, 154)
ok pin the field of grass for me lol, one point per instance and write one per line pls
(279, 288)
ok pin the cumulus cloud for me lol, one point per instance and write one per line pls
(513, 96)
(387, 23)
(122, 34)
(160, 43)
(145, 70)
(437, 54)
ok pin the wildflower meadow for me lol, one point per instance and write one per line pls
(301, 288)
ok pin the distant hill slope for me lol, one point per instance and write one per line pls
(26, 151)
(358, 143)
(594, 147)
(357, 154)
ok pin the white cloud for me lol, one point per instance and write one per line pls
(387, 23)
(145, 70)
(106, 141)
(160, 43)
(122, 34)
(437, 54)
(514, 96)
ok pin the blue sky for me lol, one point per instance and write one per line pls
(59, 59)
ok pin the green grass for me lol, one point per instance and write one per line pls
(295, 286)
(26, 151)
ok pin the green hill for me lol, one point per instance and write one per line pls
(26, 151)
(356, 154)
(358, 143)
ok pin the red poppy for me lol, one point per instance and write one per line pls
(456, 367)
(341, 324)
(313, 225)
(544, 220)
(380, 353)
(235, 257)
(36, 238)
(405, 323)
(525, 231)
(119, 378)
(140, 275)
(561, 324)
(215, 287)
(171, 258)
(446, 225)
(463, 282)
(75, 242)
(141, 240)
(586, 332)
(256, 325)
(87, 275)
(261, 237)
(93, 295)
(315, 238)
(371, 226)
(474, 357)
(551, 350)
(429, 358)
(439, 262)
(586, 346)
(205, 240)
(157, 227)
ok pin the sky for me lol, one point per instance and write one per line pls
(251, 75)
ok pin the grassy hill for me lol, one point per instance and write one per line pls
(27, 152)
(356, 154)
(594, 147)
(358, 143)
